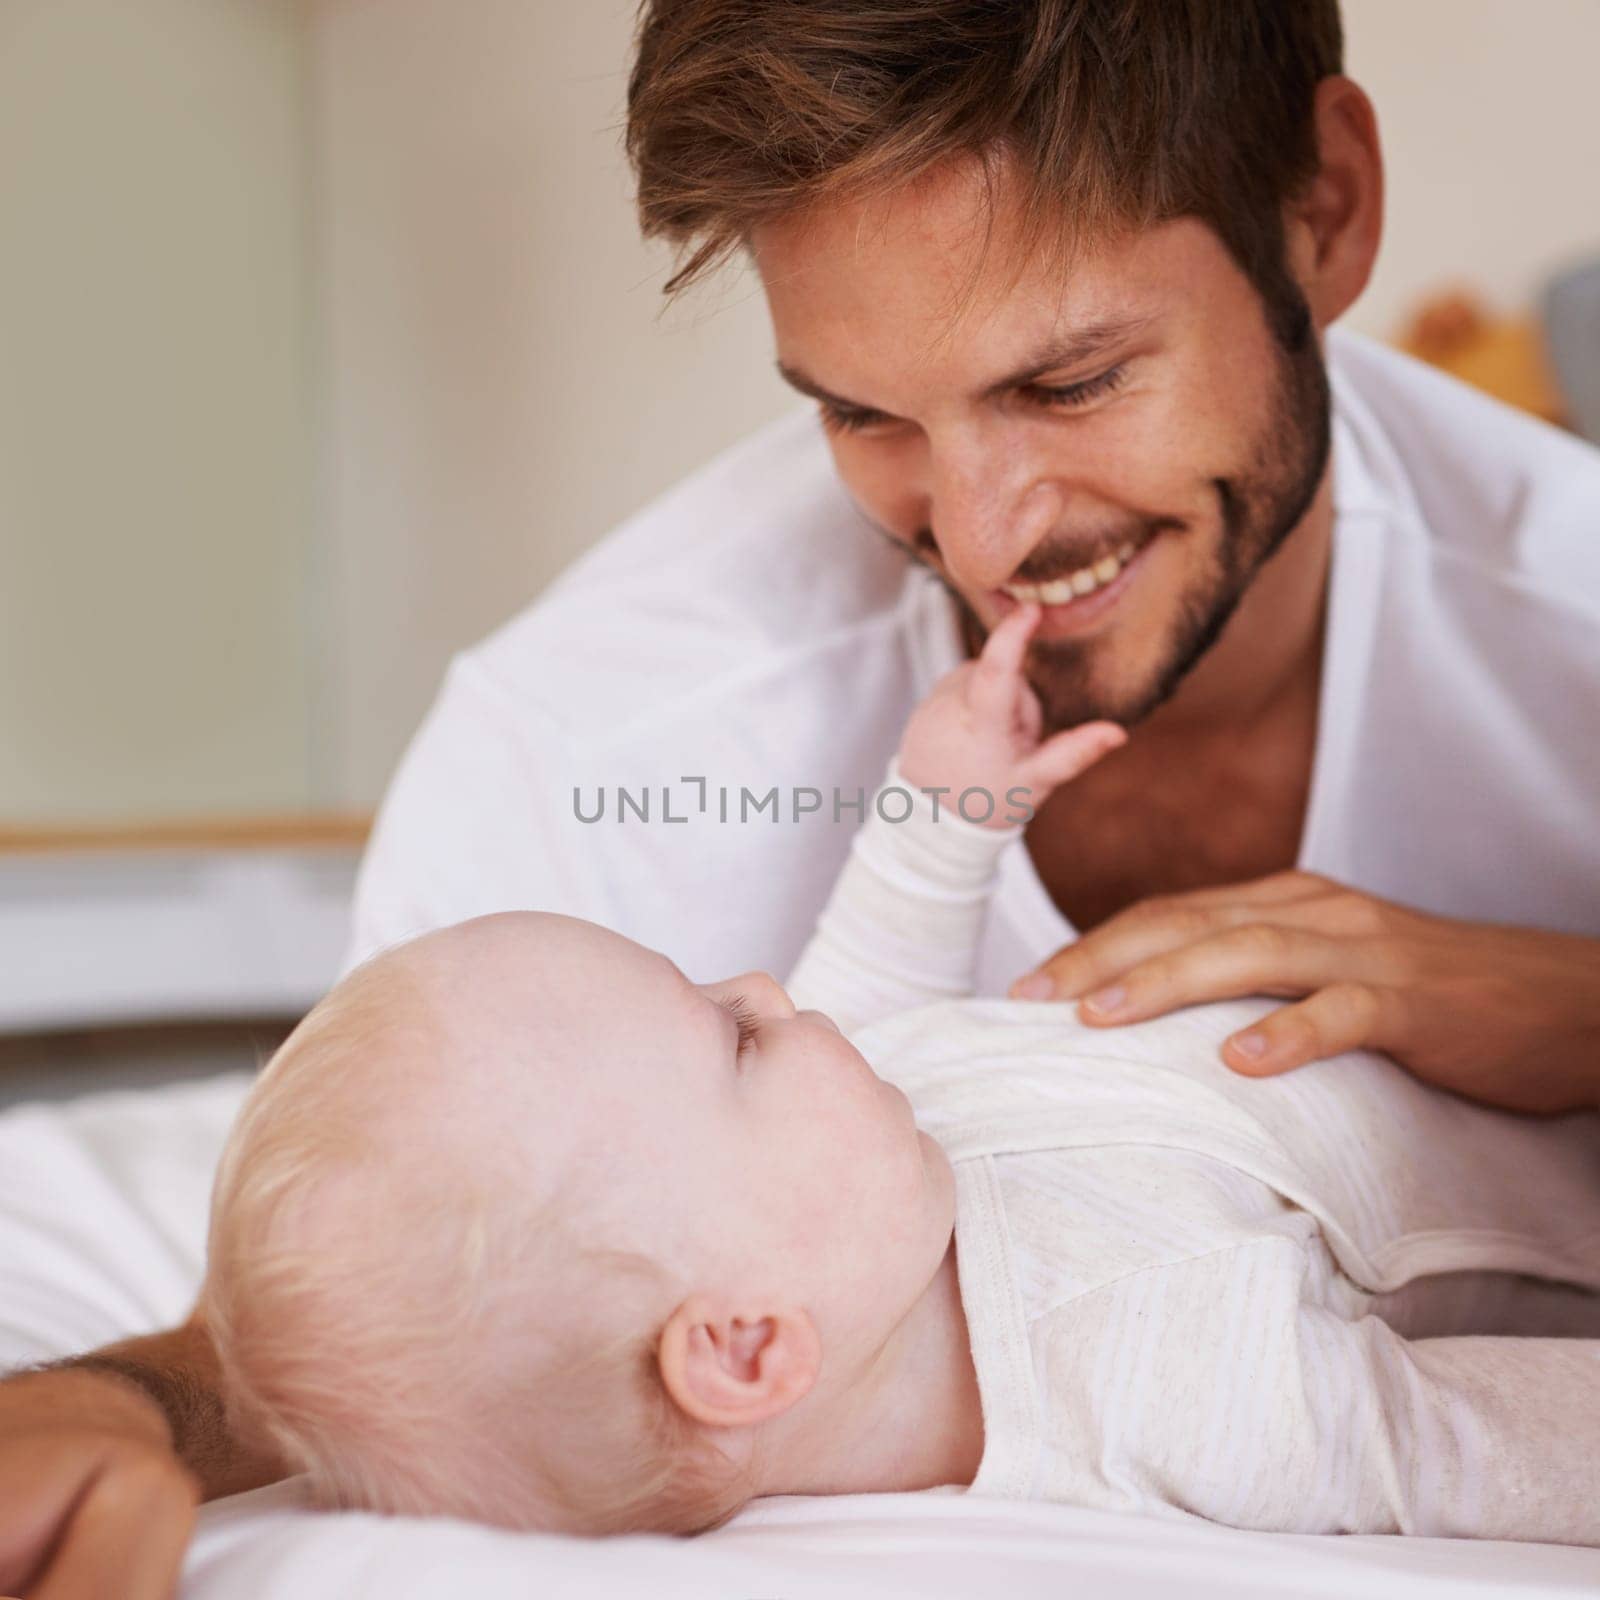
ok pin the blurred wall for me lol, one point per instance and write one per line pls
(502, 387)
(1488, 114)
(154, 426)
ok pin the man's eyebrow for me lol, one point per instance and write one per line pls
(1081, 345)
(796, 378)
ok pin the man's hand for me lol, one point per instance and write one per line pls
(101, 1464)
(94, 1501)
(979, 727)
(1509, 1016)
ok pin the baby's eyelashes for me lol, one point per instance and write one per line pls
(746, 1023)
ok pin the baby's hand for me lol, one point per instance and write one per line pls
(979, 729)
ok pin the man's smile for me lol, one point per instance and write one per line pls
(1080, 600)
(1085, 580)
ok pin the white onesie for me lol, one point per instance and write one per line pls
(1327, 1302)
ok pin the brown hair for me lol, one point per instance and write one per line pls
(1117, 113)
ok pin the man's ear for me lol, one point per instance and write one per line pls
(1334, 225)
(733, 1368)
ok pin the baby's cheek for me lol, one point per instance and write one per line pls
(874, 1159)
(838, 1173)
(808, 1237)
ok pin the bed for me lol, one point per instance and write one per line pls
(102, 1229)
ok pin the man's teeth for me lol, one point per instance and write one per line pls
(1076, 584)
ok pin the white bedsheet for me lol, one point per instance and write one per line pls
(102, 1229)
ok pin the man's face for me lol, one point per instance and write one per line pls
(1126, 443)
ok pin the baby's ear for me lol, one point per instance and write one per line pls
(737, 1367)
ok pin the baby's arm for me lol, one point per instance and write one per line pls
(1481, 1436)
(902, 926)
(1248, 1394)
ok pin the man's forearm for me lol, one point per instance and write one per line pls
(177, 1369)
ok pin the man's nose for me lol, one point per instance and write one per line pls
(985, 524)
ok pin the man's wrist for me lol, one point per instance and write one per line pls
(76, 1391)
(192, 1411)
(166, 1387)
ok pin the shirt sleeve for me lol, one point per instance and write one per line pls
(903, 924)
(1250, 1387)
(470, 824)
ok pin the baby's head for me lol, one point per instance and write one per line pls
(522, 1225)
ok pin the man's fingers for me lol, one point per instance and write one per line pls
(1253, 958)
(1276, 889)
(1142, 932)
(1343, 1016)
(41, 1480)
(83, 1515)
(1064, 756)
(992, 686)
(1151, 927)
(127, 1534)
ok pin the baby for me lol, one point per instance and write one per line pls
(522, 1225)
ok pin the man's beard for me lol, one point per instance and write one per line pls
(1258, 509)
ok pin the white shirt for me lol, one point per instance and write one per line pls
(1332, 1302)
(751, 628)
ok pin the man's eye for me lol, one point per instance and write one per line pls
(848, 419)
(842, 419)
(1079, 394)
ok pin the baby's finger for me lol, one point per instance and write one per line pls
(1063, 756)
(992, 687)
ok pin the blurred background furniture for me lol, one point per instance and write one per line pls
(1504, 356)
(1571, 309)
(1545, 361)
